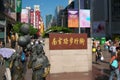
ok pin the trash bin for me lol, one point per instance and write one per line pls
(103, 40)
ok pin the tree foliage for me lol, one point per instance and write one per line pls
(17, 26)
(56, 29)
(33, 31)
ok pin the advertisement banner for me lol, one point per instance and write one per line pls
(41, 27)
(18, 5)
(84, 18)
(24, 16)
(67, 41)
(37, 19)
(32, 16)
(98, 29)
(73, 18)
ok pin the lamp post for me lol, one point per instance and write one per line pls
(62, 21)
(5, 31)
(110, 18)
(79, 15)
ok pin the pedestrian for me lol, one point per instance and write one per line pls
(1, 44)
(112, 50)
(93, 48)
(7, 65)
(115, 71)
(2, 68)
(108, 43)
(117, 50)
(13, 40)
(98, 54)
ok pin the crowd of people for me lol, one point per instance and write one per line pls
(113, 48)
(32, 56)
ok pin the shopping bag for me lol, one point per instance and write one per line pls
(102, 58)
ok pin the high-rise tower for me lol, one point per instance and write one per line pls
(69, 1)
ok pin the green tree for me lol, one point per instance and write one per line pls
(32, 30)
(56, 29)
(17, 26)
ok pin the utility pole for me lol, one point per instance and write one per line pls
(79, 16)
(5, 27)
(110, 18)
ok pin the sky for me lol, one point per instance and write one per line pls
(46, 6)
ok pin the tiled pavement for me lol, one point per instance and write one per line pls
(99, 72)
(66, 76)
(63, 76)
(71, 76)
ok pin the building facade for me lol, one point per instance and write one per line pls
(48, 20)
(108, 13)
(58, 15)
(7, 18)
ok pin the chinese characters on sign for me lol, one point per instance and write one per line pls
(67, 41)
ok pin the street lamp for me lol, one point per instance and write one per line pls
(62, 19)
(110, 18)
(79, 15)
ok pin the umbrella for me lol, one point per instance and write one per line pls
(6, 52)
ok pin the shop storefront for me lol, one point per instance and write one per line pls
(6, 23)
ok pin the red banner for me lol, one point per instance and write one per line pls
(32, 16)
(37, 19)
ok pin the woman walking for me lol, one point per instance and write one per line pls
(98, 54)
(115, 71)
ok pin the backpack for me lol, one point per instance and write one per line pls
(114, 64)
(112, 49)
(23, 56)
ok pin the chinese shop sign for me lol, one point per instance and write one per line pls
(67, 41)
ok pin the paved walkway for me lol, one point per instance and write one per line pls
(65, 76)
(71, 76)
(99, 72)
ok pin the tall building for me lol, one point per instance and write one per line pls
(115, 10)
(69, 1)
(82, 4)
(48, 20)
(114, 17)
(58, 15)
(7, 18)
(108, 12)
